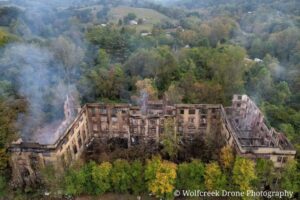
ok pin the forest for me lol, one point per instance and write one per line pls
(187, 51)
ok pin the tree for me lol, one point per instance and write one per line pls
(101, 177)
(284, 42)
(289, 130)
(190, 176)
(169, 139)
(112, 39)
(243, 173)
(143, 63)
(168, 69)
(265, 173)
(6, 38)
(174, 94)
(74, 181)
(226, 157)
(281, 93)
(229, 68)
(103, 60)
(160, 177)
(214, 178)
(137, 177)
(290, 177)
(52, 179)
(120, 178)
(129, 17)
(259, 82)
(69, 55)
(9, 110)
(146, 88)
(207, 92)
(101, 83)
(120, 22)
(3, 185)
(3, 159)
(157, 63)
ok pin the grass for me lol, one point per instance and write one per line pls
(152, 17)
(111, 196)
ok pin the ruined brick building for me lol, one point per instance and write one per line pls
(241, 125)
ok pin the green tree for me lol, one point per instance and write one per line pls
(289, 130)
(168, 70)
(103, 60)
(290, 177)
(52, 179)
(281, 93)
(112, 39)
(190, 176)
(70, 55)
(258, 81)
(74, 182)
(243, 173)
(120, 178)
(214, 178)
(170, 139)
(101, 83)
(174, 94)
(265, 173)
(229, 68)
(129, 17)
(101, 177)
(137, 177)
(3, 185)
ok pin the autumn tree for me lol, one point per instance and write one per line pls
(190, 175)
(214, 177)
(226, 157)
(6, 38)
(243, 173)
(160, 177)
(146, 90)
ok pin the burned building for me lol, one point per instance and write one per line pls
(252, 137)
(241, 125)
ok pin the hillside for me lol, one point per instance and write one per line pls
(151, 17)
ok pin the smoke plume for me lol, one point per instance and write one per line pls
(39, 80)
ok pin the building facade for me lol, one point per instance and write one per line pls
(241, 125)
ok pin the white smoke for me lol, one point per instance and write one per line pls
(39, 79)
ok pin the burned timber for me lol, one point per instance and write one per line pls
(242, 126)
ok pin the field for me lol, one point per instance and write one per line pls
(151, 16)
